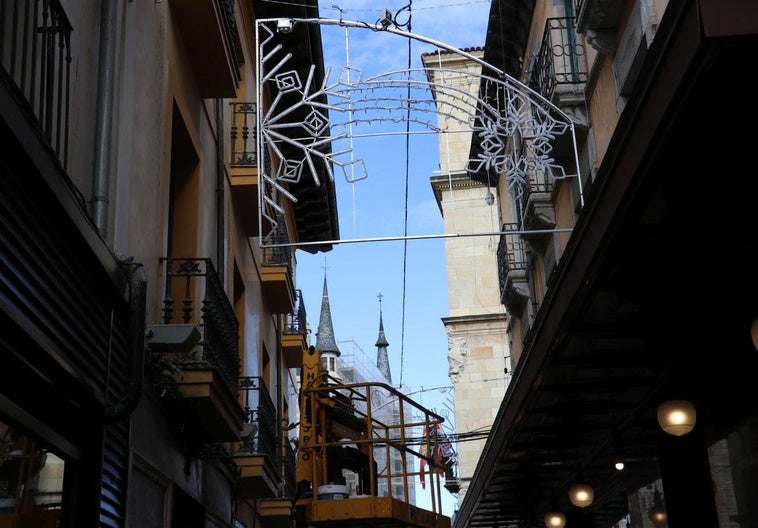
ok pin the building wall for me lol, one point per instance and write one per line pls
(156, 62)
(84, 15)
(611, 74)
(602, 109)
(478, 349)
(153, 121)
(472, 287)
(479, 341)
(478, 357)
(460, 73)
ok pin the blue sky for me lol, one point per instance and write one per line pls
(412, 272)
(410, 275)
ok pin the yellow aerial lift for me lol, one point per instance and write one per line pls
(361, 447)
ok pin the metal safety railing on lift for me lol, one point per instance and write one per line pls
(380, 442)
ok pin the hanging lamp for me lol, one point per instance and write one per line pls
(677, 417)
(581, 493)
(657, 514)
(555, 519)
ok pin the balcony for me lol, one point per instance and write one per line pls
(35, 52)
(256, 455)
(277, 512)
(559, 70)
(276, 274)
(210, 38)
(538, 209)
(288, 463)
(206, 374)
(452, 482)
(512, 268)
(295, 334)
(243, 166)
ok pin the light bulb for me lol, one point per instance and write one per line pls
(555, 519)
(754, 333)
(657, 516)
(581, 494)
(618, 458)
(677, 417)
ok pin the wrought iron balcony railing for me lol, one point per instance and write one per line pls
(296, 323)
(535, 182)
(192, 284)
(243, 135)
(260, 415)
(277, 270)
(288, 464)
(560, 60)
(230, 28)
(35, 52)
(538, 178)
(511, 255)
(278, 255)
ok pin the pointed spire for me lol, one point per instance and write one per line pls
(382, 358)
(325, 336)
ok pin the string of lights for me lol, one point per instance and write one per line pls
(348, 10)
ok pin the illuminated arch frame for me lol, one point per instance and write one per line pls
(520, 111)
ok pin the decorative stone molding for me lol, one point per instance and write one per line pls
(598, 20)
(603, 40)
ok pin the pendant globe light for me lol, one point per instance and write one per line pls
(677, 417)
(754, 333)
(618, 451)
(581, 493)
(657, 514)
(555, 519)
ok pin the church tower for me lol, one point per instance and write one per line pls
(325, 340)
(382, 359)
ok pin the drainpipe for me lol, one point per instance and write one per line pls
(104, 117)
(137, 281)
(279, 390)
(220, 256)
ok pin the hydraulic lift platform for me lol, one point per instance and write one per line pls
(363, 449)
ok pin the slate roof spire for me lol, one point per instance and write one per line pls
(382, 359)
(325, 336)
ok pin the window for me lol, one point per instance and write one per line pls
(184, 199)
(31, 480)
(186, 511)
(147, 496)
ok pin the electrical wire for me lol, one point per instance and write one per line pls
(456, 438)
(407, 25)
(409, 8)
(451, 4)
